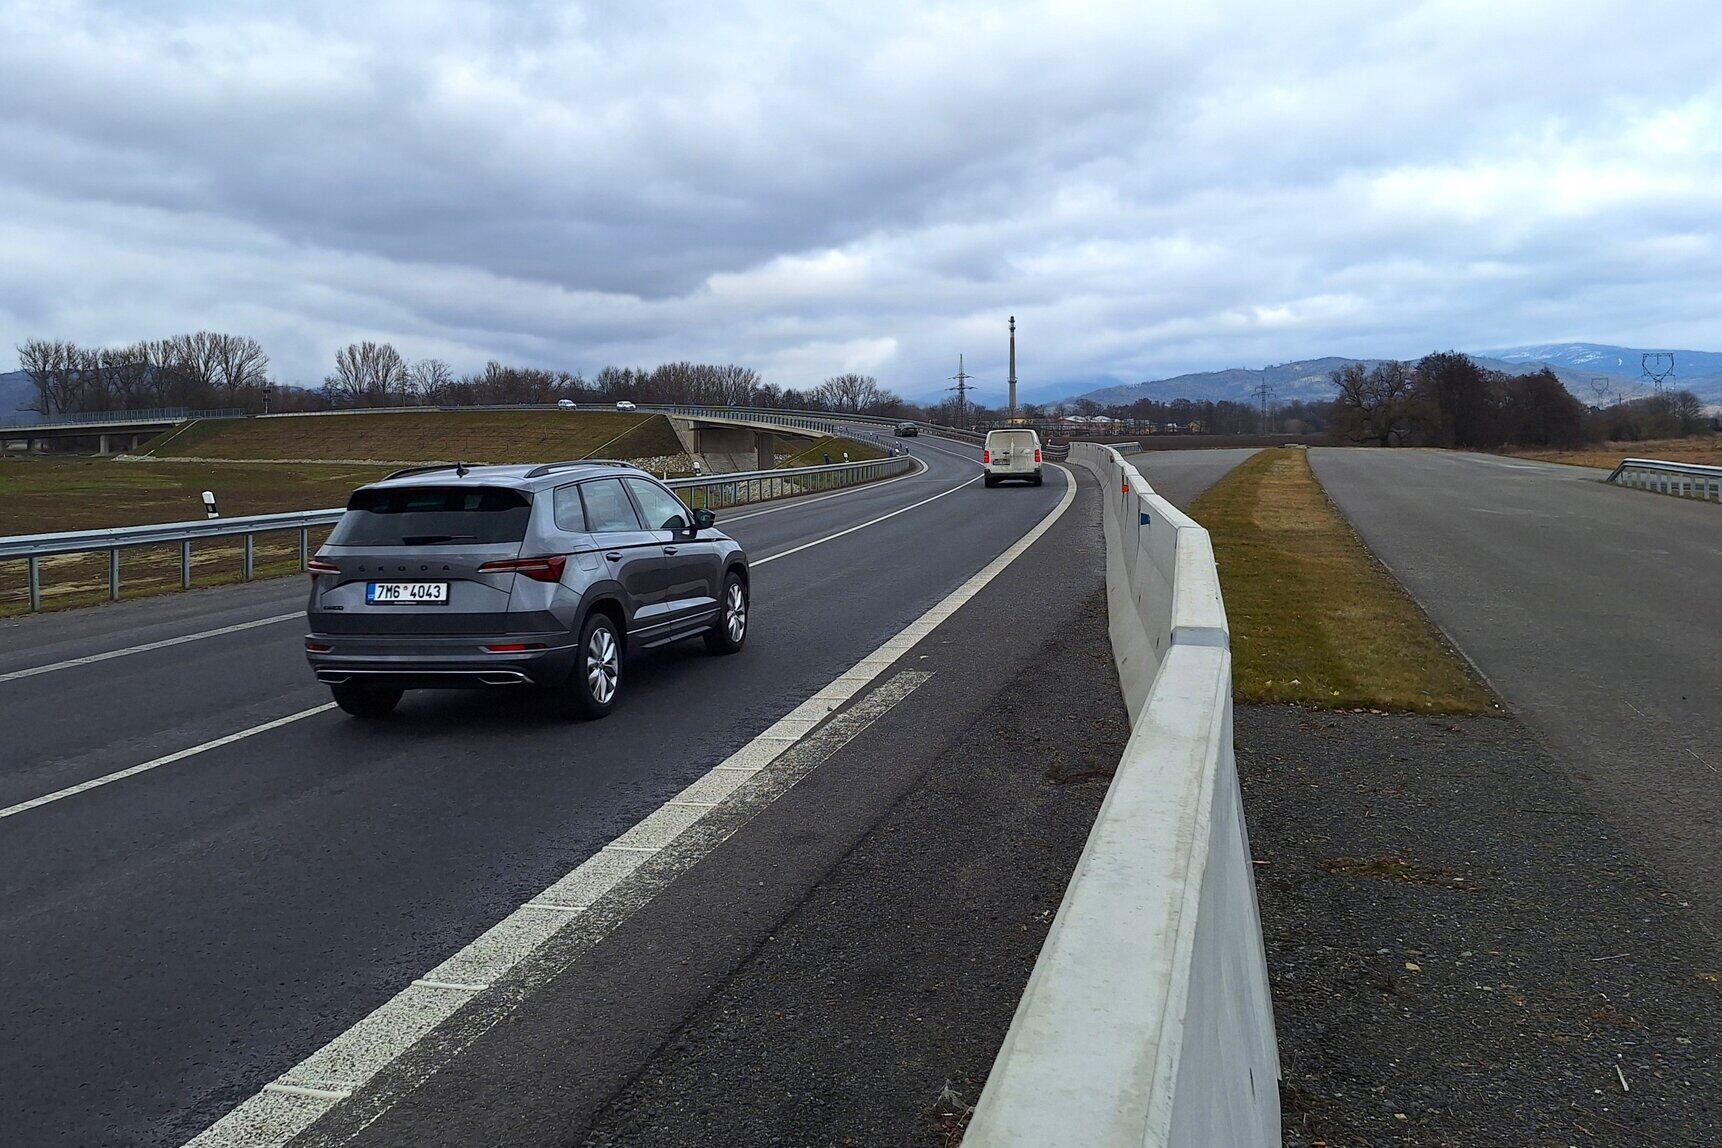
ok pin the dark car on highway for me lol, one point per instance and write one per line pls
(907, 430)
(446, 577)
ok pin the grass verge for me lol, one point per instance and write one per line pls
(836, 447)
(1315, 619)
(426, 436)
(1703, 450)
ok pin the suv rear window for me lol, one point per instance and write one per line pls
(433, 516)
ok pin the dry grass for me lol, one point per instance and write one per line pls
(1315, 620)
(428, 436)
(1705, 450)
(814, 454)
(46, 494)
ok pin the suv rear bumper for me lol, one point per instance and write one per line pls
(428, 663)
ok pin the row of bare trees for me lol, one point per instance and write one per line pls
(377, 375)
(208, 370)
(204, 369)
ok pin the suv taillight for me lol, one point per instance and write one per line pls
(1037, 456)
(317, 566)
(986, 457)
(547, 568)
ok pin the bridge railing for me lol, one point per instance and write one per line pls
(1147, 1021)
(711, 492)
(77, 419)
(1682, 479)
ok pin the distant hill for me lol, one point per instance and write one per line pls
(1585, 368)
(15, 391)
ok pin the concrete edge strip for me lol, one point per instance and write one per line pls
(414, 1023)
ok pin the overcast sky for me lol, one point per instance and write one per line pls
(1150, 187)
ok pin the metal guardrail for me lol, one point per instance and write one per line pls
(708, 492)
(1681, 479)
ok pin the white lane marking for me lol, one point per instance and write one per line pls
(133, 771)
(792, 503)
(864, 525)
(90, 659)
(748, 780)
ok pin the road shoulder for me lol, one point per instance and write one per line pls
(1459, 952)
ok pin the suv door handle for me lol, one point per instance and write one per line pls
(669, 550)
(613, 555)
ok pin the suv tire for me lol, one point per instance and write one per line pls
(730, 631)
(366, 701)
(596, 680)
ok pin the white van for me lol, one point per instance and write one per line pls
(1011, 454)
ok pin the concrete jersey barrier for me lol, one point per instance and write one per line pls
(1147, 1020)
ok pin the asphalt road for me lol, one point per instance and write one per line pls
(1591, 609)
(178, 938)
(1180, 476)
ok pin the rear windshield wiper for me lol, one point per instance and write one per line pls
(435, 539)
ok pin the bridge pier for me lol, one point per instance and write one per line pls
(102, 444)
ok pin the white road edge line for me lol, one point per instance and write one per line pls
(293, 1102)
(88, 659)
(169, 759)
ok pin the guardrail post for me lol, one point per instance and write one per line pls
(304, 548)
(33, 575)
(250, 554)
(185, 565)
(114, 574)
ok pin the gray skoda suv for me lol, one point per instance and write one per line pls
(457, 576)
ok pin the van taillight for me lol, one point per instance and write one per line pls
(1037, 456)
(986, 457)
(546, 568)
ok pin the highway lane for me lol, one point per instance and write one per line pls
(1591, 609)
(181, 937)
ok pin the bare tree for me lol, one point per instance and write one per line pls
(430, 380)
(367, 375)
(852, 393)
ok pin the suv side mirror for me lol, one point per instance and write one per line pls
(704, 520)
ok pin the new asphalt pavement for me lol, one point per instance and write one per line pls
(179, 936)
(1593, 610)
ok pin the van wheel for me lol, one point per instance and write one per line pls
(727, 636)
(1037, 480)
(597, 676)
(363, 701)
(990, 481)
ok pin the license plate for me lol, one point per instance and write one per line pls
(406, 593)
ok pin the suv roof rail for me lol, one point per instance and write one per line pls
(421, 470)
(553, 467)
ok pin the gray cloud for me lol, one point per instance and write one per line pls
(1150, 187)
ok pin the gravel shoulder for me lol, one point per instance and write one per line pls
(1460, 952)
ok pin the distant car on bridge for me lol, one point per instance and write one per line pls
(625, 405)
(564, 404)
(449, 577)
